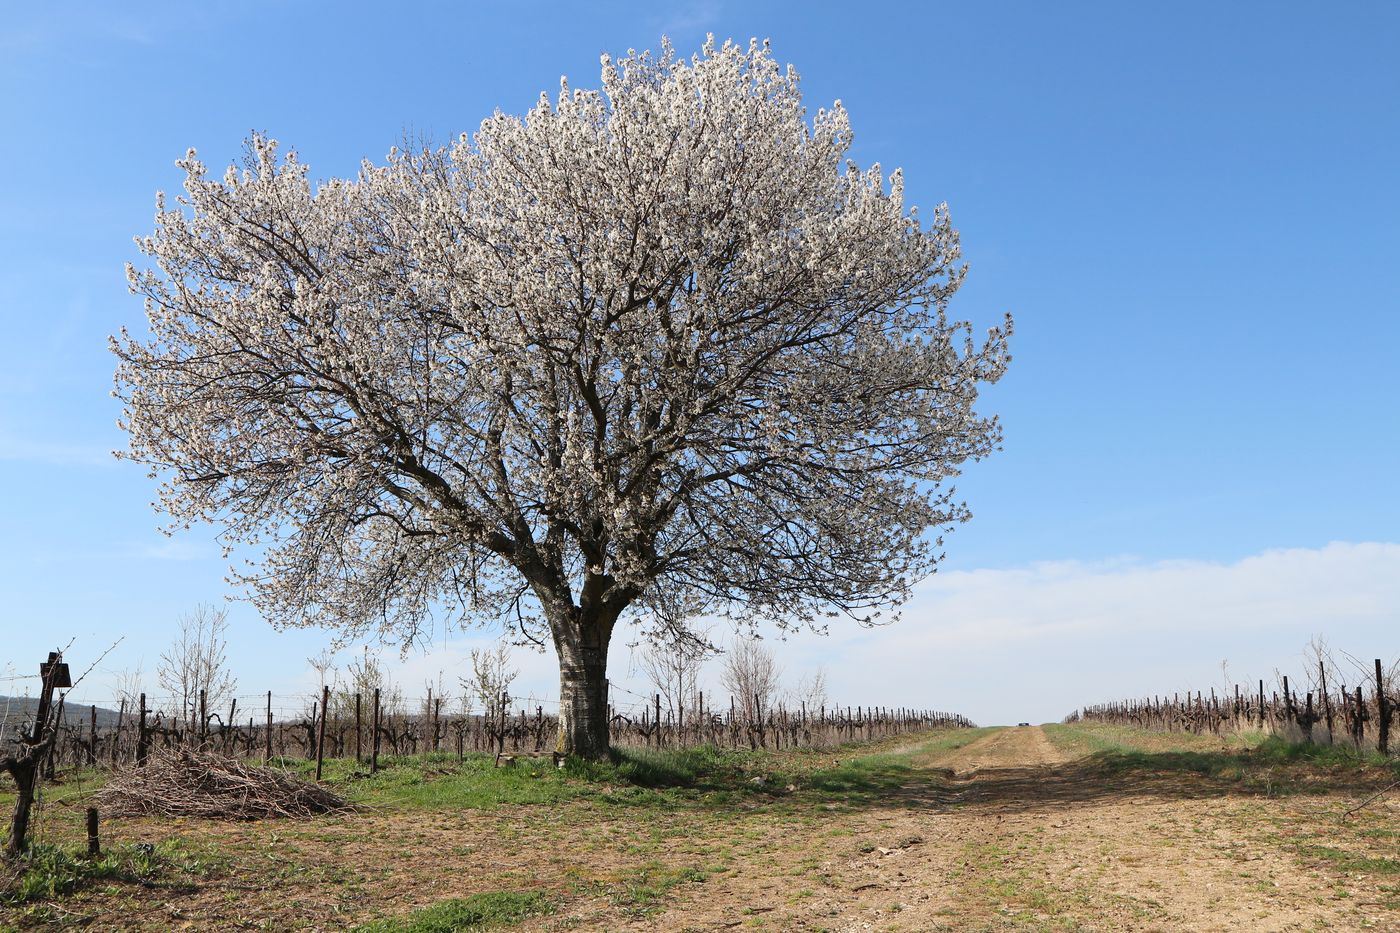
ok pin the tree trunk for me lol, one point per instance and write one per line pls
(25, 773)
(583, 700)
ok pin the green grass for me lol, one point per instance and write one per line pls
(647, 778)
(1086, 738)
(70, 787)
(48, 871)
(1250, 758)
(641, 892)
(459, 915)
(633, 777)
(869, 779)
(1344, 861)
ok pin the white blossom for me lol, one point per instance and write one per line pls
(655, 342)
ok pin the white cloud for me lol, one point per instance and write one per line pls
(1036, 642)
(680, 21)
(179, 548)
(53, 453)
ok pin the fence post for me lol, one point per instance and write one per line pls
(143, 738)
(501, 723)
(94, 846)
(92, 736)
(267, 739)
(1383, 712)
(758, 712)
(117, 739)
(1359, 725)
(1326, 700)
(359, 748)
(428, 719)
(48, 759)
(374, 741)
(321, 738)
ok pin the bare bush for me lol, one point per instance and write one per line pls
(196, 662)
(363, 677)
(490, 680)
(810, 691)
(128, 687)
(751, 675)
(672, 667)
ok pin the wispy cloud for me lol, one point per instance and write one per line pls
(1040, 640)
(54, 453)
(1277, 587)
(48, 28)
(178, 549)
(1035, 642)
(23, 40)
(689, 18)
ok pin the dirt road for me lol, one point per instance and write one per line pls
(1027, 837)
(1020, 748)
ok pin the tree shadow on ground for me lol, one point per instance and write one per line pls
(1106, 777)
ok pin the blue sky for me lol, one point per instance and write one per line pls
(1191, 209)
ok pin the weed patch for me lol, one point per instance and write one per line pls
(48, 871)
(485, 911)
(640, 893)
(1256, 761)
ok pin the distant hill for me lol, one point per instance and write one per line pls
(19, 711)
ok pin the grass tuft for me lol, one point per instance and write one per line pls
(461, 915)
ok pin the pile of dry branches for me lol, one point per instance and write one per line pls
(183, 782)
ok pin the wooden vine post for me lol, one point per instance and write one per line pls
(117, 738)
(143, 737)
(24, 766)
(94, 845)
(374, 740)
(321, 734)
(1383, 712)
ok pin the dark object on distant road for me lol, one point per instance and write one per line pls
(1023, 724)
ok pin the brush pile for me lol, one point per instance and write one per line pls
(184, 782)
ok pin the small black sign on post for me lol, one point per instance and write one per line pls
(55, 666)
(55, 676)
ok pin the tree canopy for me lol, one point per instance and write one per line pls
(655, 349)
